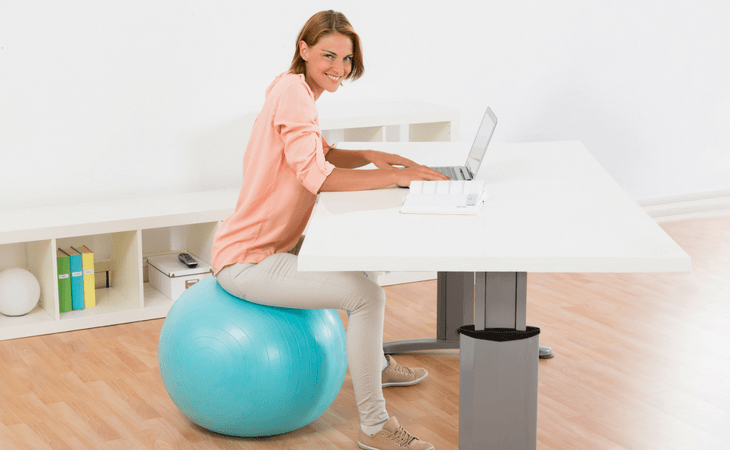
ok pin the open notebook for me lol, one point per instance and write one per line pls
(444, 197)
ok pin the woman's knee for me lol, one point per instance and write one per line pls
(229, 279)
(380, 296)
(370, 295)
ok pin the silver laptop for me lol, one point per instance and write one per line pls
(484, 134)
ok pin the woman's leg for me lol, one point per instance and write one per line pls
(276, 281)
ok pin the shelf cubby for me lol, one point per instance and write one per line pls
(122, 250)
(37, 257)
(196, 239)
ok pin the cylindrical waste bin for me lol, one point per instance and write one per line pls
(498, 388)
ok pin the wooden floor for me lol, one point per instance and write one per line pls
(642, 362)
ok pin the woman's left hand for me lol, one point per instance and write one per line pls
(384, 160)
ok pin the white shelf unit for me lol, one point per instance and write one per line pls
(122, 232)
(389, 122)
(125, 232)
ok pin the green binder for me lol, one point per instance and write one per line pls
(64, 280)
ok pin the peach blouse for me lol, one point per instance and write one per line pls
(283, 169)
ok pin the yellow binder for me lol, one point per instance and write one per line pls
(87, 261)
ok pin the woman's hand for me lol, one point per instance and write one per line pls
(384, 160)
(418, 173)
(405, 169)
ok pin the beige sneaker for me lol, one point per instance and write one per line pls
(391, 437)
(397, 375)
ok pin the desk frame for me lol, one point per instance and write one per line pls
(486, 299)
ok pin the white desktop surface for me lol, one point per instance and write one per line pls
(551, 208)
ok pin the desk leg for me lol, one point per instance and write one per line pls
(458, 288)
(498, 366)
(497, 377)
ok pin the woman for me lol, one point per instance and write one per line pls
(287, 162)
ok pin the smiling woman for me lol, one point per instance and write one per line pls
(286, 164)
(328, 24)
(326, 68)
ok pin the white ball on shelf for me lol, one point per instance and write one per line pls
(19, 292)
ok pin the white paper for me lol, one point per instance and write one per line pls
(444, 197)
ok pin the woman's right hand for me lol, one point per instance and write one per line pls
(418, 173)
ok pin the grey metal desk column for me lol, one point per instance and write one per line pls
(498, 367)
(458, 287)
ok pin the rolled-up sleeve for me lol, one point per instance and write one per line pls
(296, 120)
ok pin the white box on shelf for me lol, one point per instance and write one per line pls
(171, 277)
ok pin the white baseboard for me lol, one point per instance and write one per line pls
(663, 209)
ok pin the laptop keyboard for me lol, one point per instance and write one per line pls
(455, 173)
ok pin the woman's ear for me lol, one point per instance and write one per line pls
(303, 50)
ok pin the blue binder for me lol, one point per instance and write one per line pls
(77, 279)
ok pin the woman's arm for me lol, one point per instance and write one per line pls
(347, 159)
(361, 180)
(352, 159)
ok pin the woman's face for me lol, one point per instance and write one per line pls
(328, 62)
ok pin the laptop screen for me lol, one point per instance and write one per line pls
(481, 141)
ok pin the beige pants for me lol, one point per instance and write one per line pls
(275, 281)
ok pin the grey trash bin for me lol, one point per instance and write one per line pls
(498, 388)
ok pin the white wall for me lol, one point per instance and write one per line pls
(104, 99)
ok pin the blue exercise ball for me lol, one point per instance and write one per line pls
(243, 369)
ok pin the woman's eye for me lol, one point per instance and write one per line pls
(348, 58)
(329, 56)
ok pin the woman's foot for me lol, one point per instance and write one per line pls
(397, 375)
(391, 437)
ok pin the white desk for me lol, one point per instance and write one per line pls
(551, 208)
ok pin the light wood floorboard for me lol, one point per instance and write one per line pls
(642, 362)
